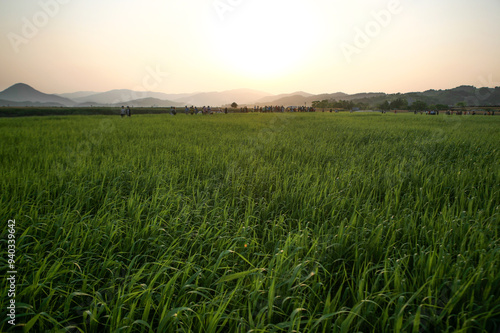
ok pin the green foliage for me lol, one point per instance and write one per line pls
(321, 104)
(342, 104)
(419, 106)
(385, 106)
(399, 104)
(266, 222)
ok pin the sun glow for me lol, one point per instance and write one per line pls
(259, 44)
(277, 46)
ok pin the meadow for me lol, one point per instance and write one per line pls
(252, 223)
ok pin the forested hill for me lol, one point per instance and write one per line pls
(469, 95)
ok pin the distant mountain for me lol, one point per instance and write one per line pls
(290, 100)
(364, 95)
(472, 96)
(24, 94)
(301, 98)
(150, 102)
(337, 95)
(123, 95)
(77, 95)
(270, 99)
(240, 96)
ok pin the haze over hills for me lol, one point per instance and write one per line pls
(125, 96)
(118, 96)
(78, 95)
(299, 100)
(4, 102)
(151, 102)
(472, 96)
(240, 96)
(272, 98)
(21, 94)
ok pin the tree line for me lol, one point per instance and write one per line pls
(396, 104)
(341, 104)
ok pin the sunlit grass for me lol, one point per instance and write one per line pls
(262, 222)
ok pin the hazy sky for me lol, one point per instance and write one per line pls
(277, 46)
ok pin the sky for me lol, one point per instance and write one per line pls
(276, 46)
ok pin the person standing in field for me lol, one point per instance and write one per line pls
(122, 113)
(129, 112)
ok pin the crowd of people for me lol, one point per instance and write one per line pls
(194, 110)
(262, 109)
(277, 108)
(267, 109)
(457, 112)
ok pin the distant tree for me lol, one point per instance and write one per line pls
(385, 106)
(321, 104)
(461, 104)
(399, 104)
(441, 107)
(362, 106)
(234, 105)
(419, 106)
(343, 104)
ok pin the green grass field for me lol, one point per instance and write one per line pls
(252, 222)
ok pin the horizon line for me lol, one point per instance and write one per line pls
(270, 94)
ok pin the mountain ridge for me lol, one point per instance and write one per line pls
(21, 94)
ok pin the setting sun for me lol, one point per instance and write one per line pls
(261, 44)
